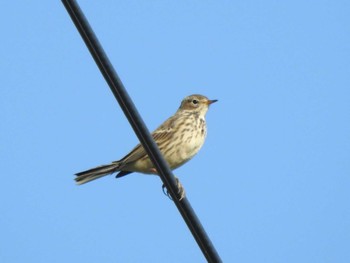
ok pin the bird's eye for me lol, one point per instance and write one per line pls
(195, 102)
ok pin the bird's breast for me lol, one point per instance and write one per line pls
(191, 140)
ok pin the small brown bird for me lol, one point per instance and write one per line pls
(179, 138)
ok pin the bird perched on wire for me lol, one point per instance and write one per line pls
(179, 138)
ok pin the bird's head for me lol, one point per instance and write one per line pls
(196, 103)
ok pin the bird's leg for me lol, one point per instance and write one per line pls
(181, 190)
(153, 170)
(165, 191)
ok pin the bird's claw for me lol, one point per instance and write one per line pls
(181, 190)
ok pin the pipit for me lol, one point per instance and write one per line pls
(179, 138)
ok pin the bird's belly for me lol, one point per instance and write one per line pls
(188, 149)
(175, 156)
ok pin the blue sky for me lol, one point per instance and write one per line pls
(271, 183)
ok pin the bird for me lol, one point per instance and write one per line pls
(179, 138)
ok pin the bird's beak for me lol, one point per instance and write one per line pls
(211, 101)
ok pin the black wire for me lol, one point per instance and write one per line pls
(140, 129)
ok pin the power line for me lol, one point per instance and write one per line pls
(140, 129)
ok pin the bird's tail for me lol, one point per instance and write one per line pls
(97, 172)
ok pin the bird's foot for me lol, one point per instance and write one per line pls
(181, 190)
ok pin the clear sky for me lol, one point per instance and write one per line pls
(272, 182)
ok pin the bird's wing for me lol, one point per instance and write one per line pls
(161, 135)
